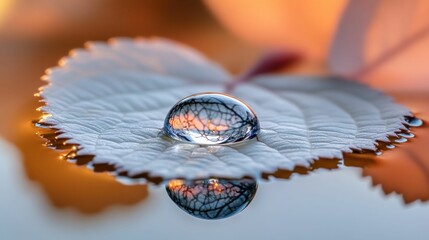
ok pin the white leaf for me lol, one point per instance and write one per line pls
(112, 99)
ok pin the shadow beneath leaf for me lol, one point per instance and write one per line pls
(361, 160)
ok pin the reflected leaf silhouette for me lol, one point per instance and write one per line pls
(406, 174)
(212, 198)
(360, 160)
(405, 171)
(68, 185)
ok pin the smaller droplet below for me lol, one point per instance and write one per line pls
(390, 146)
(414, 122)
(378, 153)
(401, 140)
(406, 135)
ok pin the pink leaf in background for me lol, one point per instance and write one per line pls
(385, 43)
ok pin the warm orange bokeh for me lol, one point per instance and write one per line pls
(304, 26)
(4, 9)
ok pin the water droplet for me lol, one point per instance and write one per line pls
(406, 135)
(211, 118)
(414, 122)
(390, 146)
(212, 198)
(401, 140)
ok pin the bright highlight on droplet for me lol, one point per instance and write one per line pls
(211, 118)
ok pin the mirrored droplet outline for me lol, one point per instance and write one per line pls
(212, 198)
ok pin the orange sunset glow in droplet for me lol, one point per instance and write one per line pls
(189, 121)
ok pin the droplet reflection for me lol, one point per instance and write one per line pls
(212, 198)
(211, 118)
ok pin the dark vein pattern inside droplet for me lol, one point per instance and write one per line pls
(211, 119)
(212, 198)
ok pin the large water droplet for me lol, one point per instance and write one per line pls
(211, 118)
(212, 198)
